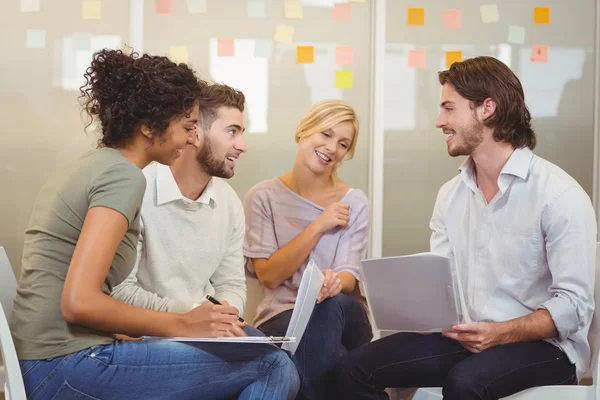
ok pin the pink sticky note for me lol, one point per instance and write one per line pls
(539, 53)
(165, 6)
(226, 48)
(344, 55)
(417, 58)
(452, 19)
(342, 11)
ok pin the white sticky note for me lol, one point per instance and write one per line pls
(36, 39)
(489, 13)
(516, 34)
(82, 41)
(28, 6)
(196, 6)
(256, 8)
(263, 48)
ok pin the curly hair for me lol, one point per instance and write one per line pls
(479, 78)
(217, 95)
(125, 91)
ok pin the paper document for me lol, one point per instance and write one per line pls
(415, 293)
(243, 339)
(308, 291)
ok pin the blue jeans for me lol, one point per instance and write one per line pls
(414, 360)
(164, 370)
(337, 325)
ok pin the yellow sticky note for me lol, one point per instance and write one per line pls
(344, 79)
(283, 33)
(305, 54)
(179, 54)
(541, 15)
(416, 16)
(91, 9)
(294, 9)
(452, 57)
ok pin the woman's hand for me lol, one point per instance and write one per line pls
(332, 285)
(335, 214)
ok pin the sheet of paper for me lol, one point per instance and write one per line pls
(305, 54)
(541, 15)
(452, 19)
(263, 48)
(226, 48)
(344, 79)
(516, 34)
(416, 16)
(342, 12)
(452, 57)
(179, 54)
(164, 6)
(413, 293)
(417, 58)
(294, 9)
(539, 53)
(245, 339)
(344, 55)
(91, 9)
(256, 9)
(28, 6)
(489, 13)
(284, 33)
(310, 286)
(196, 6)
(36, 39)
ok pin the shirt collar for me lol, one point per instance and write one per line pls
(167, 189)
(516, 165)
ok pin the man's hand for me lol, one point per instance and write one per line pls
(478, 336)
(211, 320)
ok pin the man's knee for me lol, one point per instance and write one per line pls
(462, 384)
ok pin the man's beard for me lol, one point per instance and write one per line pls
(471, 137)
(210, 165)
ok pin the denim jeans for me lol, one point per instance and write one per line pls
(337, 325)
(164, 370)
(414, 360)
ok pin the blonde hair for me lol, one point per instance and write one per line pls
(325, 115)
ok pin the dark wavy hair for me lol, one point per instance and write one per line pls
(125, 91)
(479, 78)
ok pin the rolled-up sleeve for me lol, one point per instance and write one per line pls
(569, 224)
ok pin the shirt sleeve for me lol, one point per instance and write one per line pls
(352, 246)
(229, 280)
(260, 241)
(119, 187)
(439, 242)
(569, 224)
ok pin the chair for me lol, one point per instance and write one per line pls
(579, 392)
(14, 388)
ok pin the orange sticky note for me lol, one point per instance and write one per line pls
(344, 55)
(539, 53)
(541, 15)
(342, 11)
(164, 6)
(91, 9)
(452, 57)
(305, 54)
(179, 54)
(417, 58)
(226, 48)
(416, 16)
(344, 79)
(452, 19)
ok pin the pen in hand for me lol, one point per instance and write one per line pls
(217, 302)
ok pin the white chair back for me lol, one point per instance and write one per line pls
(14, 388)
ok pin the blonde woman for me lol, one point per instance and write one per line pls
(309, 213)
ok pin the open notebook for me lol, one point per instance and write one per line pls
(310, 286)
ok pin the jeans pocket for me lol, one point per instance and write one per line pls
(100, 353)
(68, 392)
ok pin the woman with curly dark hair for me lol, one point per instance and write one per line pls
(81, 242)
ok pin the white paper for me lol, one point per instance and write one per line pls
(308, 291)
(243, 339)
(414, 293)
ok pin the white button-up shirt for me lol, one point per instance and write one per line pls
(532, 247)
